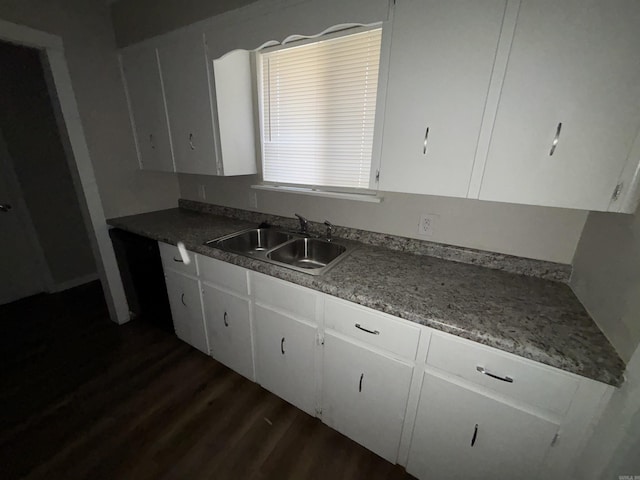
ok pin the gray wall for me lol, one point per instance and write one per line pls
(606, 277)
(30, 131)
(535, 232)
(86, 30)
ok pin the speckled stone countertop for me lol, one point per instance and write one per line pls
(531, 317)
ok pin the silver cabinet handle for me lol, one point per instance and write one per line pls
(5, 207)
(426, 141)
(475, 435)
(191, 142)
(153, 145)
(360, 385)
(282, 345)
(224, 319)
(489, 374)
(179, 260)
(554, 144)
(372, 332)
(182, 300)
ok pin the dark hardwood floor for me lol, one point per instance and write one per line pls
(84, 398)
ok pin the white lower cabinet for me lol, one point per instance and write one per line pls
(364, 394)
(228, 329)
(285, 357)
(186, 309)
(461, 433)
(479, 412)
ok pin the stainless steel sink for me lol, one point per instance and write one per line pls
(296, 251)
(249, 242)
(307, 253)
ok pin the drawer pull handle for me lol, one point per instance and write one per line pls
(497, 377)
(282, 345)
(426, 141)
(182, 300)
(360, 386)
(179, 260)
(556, 139)
(372, 332)
(224, 319)
(475, 435)
(191, 145)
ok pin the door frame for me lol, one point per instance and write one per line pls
(78, 158)
(24, 215)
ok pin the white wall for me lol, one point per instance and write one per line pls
(606, 277)
(541, 233)
(86, 30)
(612, 450)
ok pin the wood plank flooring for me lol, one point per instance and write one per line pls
(84, 398)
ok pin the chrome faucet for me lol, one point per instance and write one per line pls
(304, 224)
(329, 230)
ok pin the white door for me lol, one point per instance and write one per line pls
(442, 55)
(186, 309)
(185, 74)
(460, 433)
(573, 78)
(364, 395)
(21, 272)
(147, 108)
(228, 329)
(285, 362)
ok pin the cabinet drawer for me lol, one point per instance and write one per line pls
(171, 259)
(223, 274)
(290, 298)
(376, 329)
(536, 385)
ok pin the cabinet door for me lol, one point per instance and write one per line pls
(186, 309)
(285, 357)
(234, 102)
(460, 433)
(228, 329)
(147, 108)
(183, 63)
(442, 55)
(364, 395)
(573, 76)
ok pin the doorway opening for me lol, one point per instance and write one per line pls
(44, 243)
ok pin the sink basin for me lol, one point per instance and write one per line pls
(296, 251)
(307, 253)
(252, 241)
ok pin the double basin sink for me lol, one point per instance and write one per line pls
(292, 250)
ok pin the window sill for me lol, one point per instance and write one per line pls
(358, 197)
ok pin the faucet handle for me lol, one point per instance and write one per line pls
(329, 229)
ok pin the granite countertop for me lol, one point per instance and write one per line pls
(534, 318)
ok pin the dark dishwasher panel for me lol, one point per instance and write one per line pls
(143, 278)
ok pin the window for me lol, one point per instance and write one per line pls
(318, 111)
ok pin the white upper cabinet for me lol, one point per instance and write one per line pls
(570, 105)
(234, 107)
(442, 56)
(183, 62)
(147, 108)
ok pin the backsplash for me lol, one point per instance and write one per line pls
(498, 261)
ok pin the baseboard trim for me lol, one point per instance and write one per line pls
(74, 282)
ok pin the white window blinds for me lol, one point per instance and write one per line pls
(318, 111)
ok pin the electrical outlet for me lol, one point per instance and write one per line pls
(427, 224)
(202, 192)
(253, 200)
